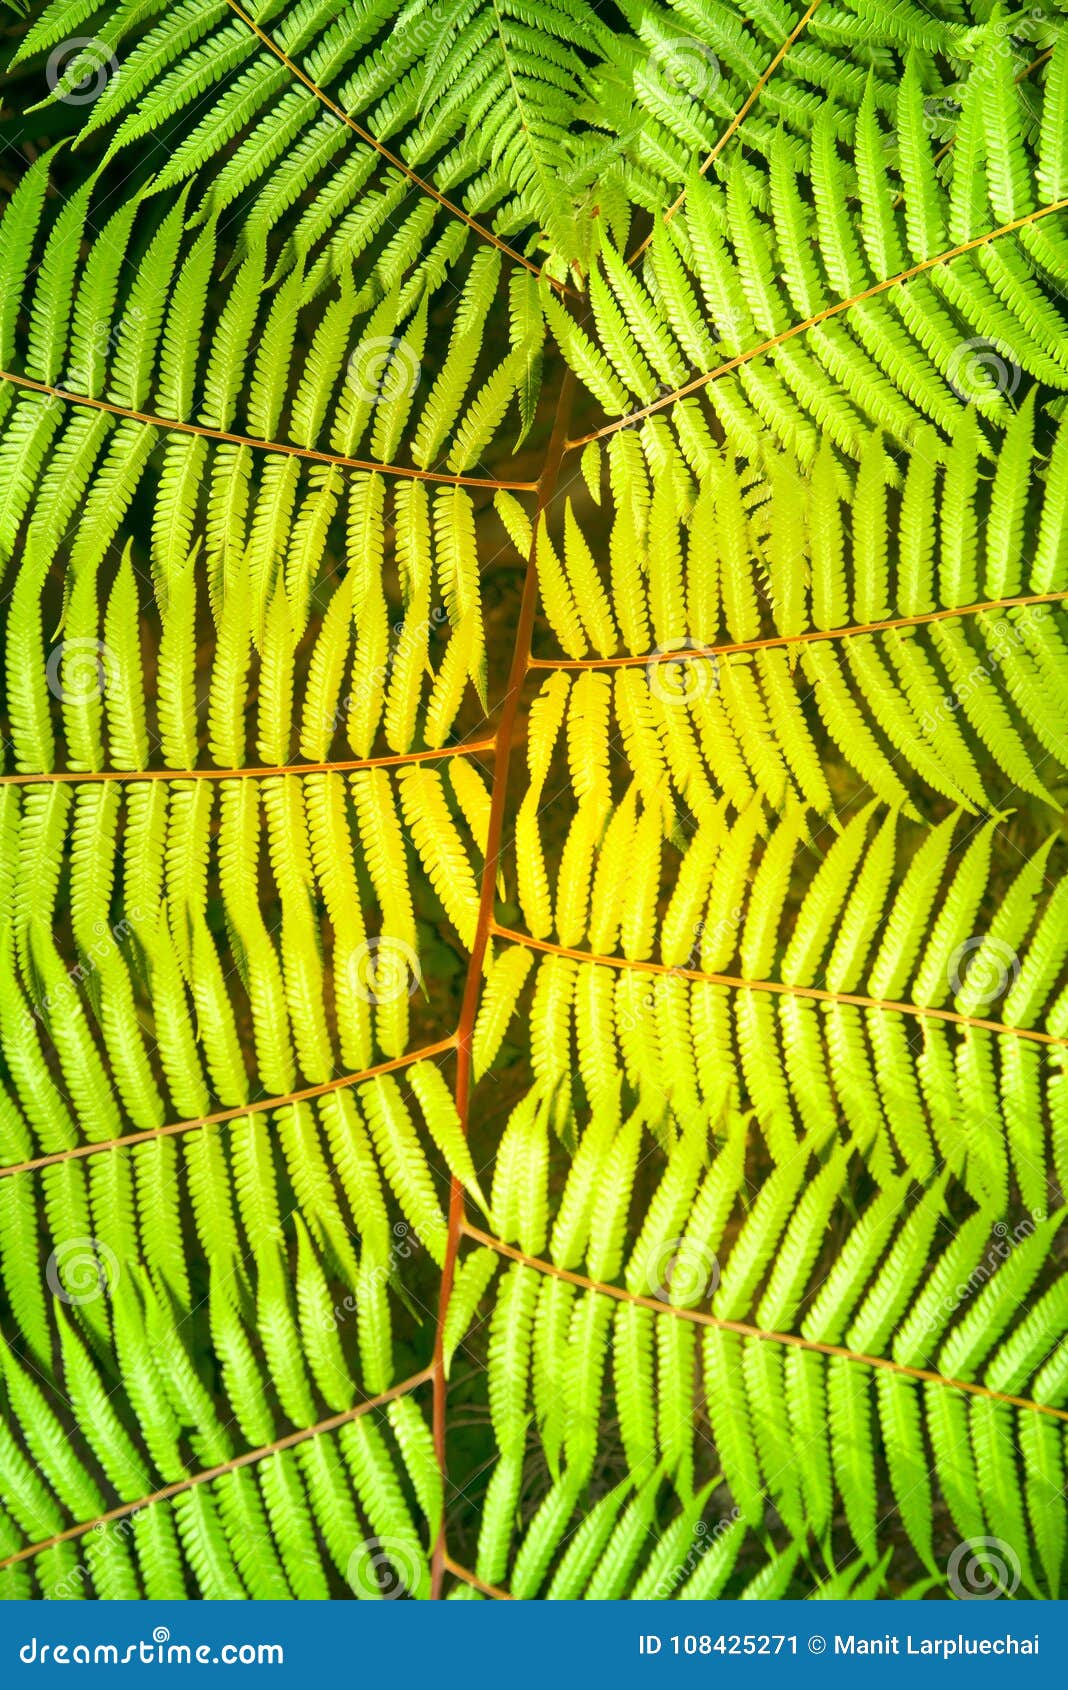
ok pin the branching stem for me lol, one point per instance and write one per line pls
(171, 425)
(250, 1456)
(779, 987)
(78, 1151)
(818, 317)
(793, 1340)
(811, 636)
(78, 777)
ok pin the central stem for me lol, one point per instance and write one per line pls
(517, 675)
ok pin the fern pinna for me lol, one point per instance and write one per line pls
(533, 1007)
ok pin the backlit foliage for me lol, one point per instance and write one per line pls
(533, 1009)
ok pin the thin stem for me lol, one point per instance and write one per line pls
(810, 636)
(391, 158)
(818, 317)
(78, 1151)
(171, 425)
(250, 1456)
(744, 1330)
(475, 1582)
(484, 925)
(267, 771)
(779, 987)
(738, 119)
